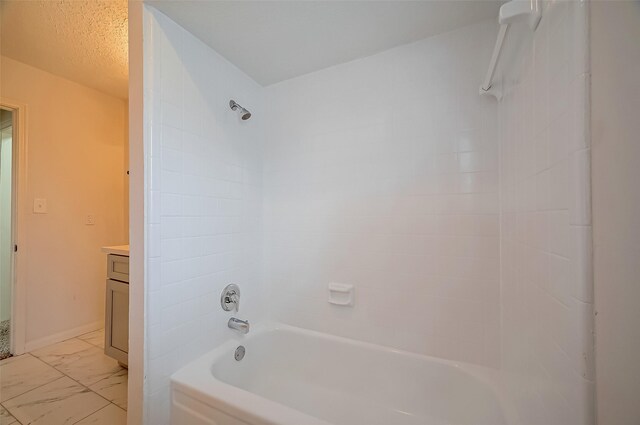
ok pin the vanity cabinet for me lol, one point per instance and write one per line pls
(116, 335)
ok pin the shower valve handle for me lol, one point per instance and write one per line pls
(230, 298)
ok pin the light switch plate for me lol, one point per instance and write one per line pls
(90, 220)
(39, 206)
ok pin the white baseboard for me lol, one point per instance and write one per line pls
(62, 336)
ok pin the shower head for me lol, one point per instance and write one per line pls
(244, 114)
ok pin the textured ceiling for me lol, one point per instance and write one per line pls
(81, 40)
(275, 40)
(86, 40)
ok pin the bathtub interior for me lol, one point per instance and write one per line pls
(347, 383)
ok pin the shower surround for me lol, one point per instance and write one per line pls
(389, 173)
(204, 181)
(382, 173)
(546, 260)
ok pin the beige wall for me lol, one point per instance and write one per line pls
(615, 62)
(75, 151)
(125, 204)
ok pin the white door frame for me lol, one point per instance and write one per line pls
(20, 210)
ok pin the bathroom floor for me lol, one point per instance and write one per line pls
(5, 328)
(71, 382)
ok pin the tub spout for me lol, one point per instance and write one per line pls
(239, 325)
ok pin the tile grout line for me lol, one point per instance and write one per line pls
(39, 386)
(82, 385)
(16, 419)
(57, 379)
(74, 380)
(89, 389)
(95, 345)
(65, 375)
(102, 408)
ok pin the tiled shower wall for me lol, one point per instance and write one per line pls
(382, 173)
(204, 189)
(547, 341)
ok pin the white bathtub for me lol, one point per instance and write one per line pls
(291, 376)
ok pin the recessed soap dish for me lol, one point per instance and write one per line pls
(340, 294)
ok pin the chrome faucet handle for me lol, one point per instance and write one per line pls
(230, 298)
(235, 300)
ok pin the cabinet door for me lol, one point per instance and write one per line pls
(117, 321)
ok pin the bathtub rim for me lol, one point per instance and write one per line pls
(233, 401)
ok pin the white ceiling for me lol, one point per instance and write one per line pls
(81, 40)
(86, 40)
(272, 41)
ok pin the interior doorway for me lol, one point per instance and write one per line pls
(6, 230)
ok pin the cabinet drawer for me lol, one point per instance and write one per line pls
(118, 267)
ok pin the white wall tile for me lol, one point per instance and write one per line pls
(389, 173)
(374, 190)
(202, 212)
(547, 315)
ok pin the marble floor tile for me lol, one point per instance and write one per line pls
(113, 388)
(94, 338)
(64, 352)
(6, 418)
(60, 402)
(80, 360)
(110, 415)
(24, 373)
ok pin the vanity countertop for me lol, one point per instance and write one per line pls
(117, 250)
